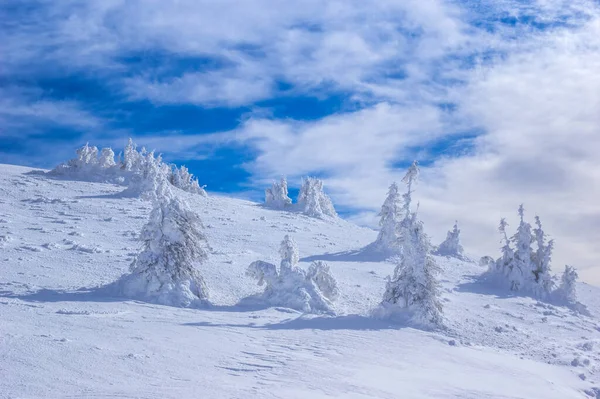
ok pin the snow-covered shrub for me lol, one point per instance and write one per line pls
(277, 197)
(173, 242)
(292, 287)
(313, 201)
(390, 216)
(132, 171)
(451, 245)
(414, 288)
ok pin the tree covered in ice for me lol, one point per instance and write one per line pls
(451, 245)
(290, 286)
(542, 278)
(277, 196)
(173, 244)
(567, 290)
(107, 158)
(313, 201)
(390, 216)
(414, 287)
(520, 267)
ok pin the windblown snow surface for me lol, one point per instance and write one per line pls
(60, 337)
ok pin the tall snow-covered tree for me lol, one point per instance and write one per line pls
(290, 286)
(521, 273)
(451, 245)
(313, 201)
(173, 243)
(277, 196)
(414, 286)
(542, 278)
(390, 216)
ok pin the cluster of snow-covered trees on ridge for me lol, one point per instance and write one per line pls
(140, 170)
(312, 200)
(312, 291)
(526, 269)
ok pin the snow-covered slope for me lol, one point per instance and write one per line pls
(59, 337)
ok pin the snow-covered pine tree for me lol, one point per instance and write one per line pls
(277, 197)
(151, 173)
(505, 263)
(390, 216)
(521, 275)
(414, 286)
(542, 281)
(291, 286)
(131, 156)
(451, 246)
(173, 242)
(86, 157)
(313, 201)
(107, 158)
(567, 290)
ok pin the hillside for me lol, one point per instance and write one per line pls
(59, 337)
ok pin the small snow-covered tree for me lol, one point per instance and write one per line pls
(107, 158)
(451, 246)
(414, 286)
(313, 201)
(288, 250)
(277, 196)
(542, 281)
(173, 243)
(131, 156)
(505, 263)
(567, 290)
(290, 286)
(150, 174)
(390, 216)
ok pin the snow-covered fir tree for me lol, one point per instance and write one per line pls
(414, 287)
(173, 244)
(277, 197)
(520, 274)
(290, 286)
(451, 245)
(567, 290)
(390, 216)
(86, 157)
(504, 264)
(107, 158)
(543, 283)
(313, 201)
(150, 175)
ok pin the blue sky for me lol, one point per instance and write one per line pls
(496, 99)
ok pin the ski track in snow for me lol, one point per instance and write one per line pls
(61, 337)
